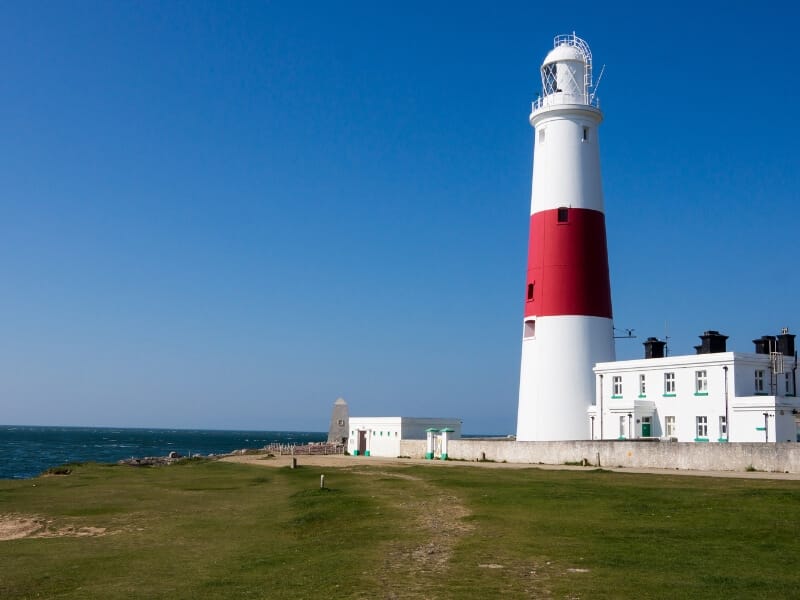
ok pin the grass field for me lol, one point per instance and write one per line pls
(219, 530)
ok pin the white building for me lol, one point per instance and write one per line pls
(381, 436)
(713, 396)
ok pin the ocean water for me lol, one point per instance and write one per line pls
(26, 451)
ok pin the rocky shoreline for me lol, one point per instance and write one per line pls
(312, 448)
(150, 461)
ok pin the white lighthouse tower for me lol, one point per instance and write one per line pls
(567, 325)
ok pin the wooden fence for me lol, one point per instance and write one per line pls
(305, 449)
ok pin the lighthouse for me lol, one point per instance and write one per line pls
(567, 326)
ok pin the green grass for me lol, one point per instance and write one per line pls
(219, 530)
(637, 536)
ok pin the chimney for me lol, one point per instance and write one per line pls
(786, 343)
(654, 348)
(712, 342)
(766, 344)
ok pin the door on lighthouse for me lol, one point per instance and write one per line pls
(646, 431)
(362, 442)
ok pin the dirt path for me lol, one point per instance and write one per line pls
(439, 517)
(436, 514)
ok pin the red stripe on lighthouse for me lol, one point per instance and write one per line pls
(568, 265)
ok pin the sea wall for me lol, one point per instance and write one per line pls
(780, 457)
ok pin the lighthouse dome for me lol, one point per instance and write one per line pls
(564, 53)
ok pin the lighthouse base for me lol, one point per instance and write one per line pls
(557, 384)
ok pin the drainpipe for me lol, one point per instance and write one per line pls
(601, 406)
(727, 418)
(794, 376)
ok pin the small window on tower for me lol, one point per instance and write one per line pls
(563, 214)
(530, 329)
(530, 291)
(585, 137)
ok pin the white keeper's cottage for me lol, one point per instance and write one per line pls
(713, 396)
(381, 436)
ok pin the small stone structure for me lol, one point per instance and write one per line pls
(340, 423)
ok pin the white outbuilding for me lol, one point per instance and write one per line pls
(381, 436)
(713, 396)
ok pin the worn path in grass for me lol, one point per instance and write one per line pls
(437, 514)
(352, 461)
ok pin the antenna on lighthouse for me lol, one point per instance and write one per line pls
(597, 85)
(628, 334)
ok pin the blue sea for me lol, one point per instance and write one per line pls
(26, 451)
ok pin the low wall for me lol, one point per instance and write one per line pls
(781, 457)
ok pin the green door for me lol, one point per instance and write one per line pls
(645, 426)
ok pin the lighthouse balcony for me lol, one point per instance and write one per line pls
(563, 99)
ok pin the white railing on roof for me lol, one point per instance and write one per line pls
(559, 98)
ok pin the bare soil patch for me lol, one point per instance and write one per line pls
(15, 527)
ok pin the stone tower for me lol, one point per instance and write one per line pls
(340, 422)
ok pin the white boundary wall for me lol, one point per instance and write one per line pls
(780, 457)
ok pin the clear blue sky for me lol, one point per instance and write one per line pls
(225, 215)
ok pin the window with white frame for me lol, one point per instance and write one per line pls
(759, 381)
(642, 386)
(701, 382)
(669, 426)
(669, 383)
(616, 385)
(622, 427)
(702, 426)
(723, 426)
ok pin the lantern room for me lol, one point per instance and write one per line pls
(567, 71)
